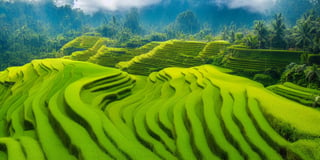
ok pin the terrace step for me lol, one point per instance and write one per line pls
(297, 93)
(67, 109)
(252, 65)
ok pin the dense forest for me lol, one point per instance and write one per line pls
(30, 31)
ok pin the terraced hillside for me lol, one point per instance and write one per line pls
(82, 43)
(172, 53)
(94, 49)
(153, 56)
(107, 56)
(61, 109)
(214, 48)
(306, 96)
(255, 60)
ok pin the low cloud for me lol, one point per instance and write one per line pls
(260, 6)
(91, 6)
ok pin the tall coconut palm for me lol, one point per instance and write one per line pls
(278, 32)
(303, 34)
(262, 33)
(316, 36)
(306, 31)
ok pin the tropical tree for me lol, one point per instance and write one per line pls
(316, 36)
(232, 35)
(303, 33)
(278, 32)
(132, 21)
(187, 22)
(224, 33)
(203, 33)
(262, 33)
(228, 33)
(4, 36)
(312, 74)
(251, 41)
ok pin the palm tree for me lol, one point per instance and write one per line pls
(278, 32)
(312, 74)
(232, 35)
(261, 31)
(306, 31)
(316, 38)
(224, 33)
(251, 41)
(303, 34)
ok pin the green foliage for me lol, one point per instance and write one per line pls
(251, 41)
(224, 33)
(204, 34)
(157, 37)
(262, 33)
(264, 79)
(108, 30)
(305, 96)
(132, 21)
(307, 32)
(228, 33)
(303, 34)
(313, 59)
(239, 37)
(187, 22)
(303, 75)
(278, 32)
(312, 74)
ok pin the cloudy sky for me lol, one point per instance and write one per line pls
(252, 5)
(91, 6)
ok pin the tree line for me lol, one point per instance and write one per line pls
(28, 32)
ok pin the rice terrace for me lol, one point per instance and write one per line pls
(100, 81)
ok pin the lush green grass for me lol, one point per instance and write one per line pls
(63, 109)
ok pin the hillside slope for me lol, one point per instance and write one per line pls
(61, 109)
